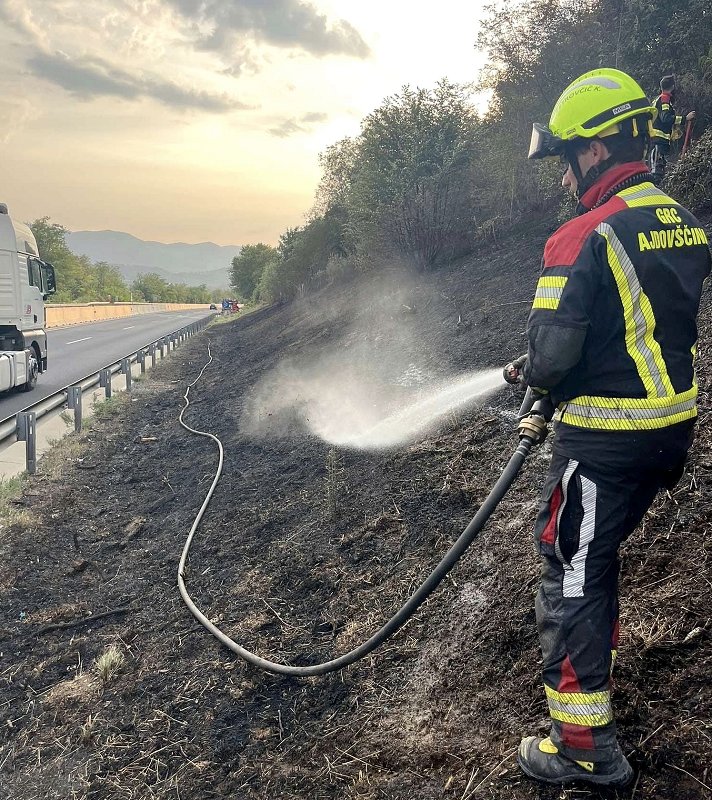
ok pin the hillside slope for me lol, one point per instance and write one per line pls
(304, 551)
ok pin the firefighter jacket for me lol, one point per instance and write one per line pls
(665, 118)
(612, 330)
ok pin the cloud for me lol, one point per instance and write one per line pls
(282, 23)
(315, 116)
(303, 124)
(20, 16)
(91, 77)
(287, 128)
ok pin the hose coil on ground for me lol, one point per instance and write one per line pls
(509, 473)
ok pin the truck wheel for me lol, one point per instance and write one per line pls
(33, 370)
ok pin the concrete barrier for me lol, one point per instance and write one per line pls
(59, 314)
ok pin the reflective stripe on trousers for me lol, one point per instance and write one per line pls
(584, 516)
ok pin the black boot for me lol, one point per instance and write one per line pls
(541, 760)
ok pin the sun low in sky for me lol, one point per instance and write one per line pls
(202, 120)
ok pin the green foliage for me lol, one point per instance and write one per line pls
(110, 284)
(152, 288)
(660, 38)
(427, 177)
(690, 179)
(302, 258)
(270, 286)
(538, 47)
(247, 267)
(76, 281)
(408, 184)
(338, 163)
(149, 287)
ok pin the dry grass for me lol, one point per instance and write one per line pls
(111, 407)
(89, 730)
(109, 663)
(13, 510)
(63, 456)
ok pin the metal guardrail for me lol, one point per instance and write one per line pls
(23, 423)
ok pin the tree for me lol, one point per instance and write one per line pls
(151, 288)
(338, 163)
(75, 281)
(109, 283)
(247, 267)
(411, 186)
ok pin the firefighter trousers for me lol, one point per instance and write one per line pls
(658, 159)
(585, 514)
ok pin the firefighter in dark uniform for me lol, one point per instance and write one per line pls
(612, 335)
(666, 127)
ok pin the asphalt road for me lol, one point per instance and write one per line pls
(80, 350)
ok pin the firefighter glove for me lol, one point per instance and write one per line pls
(514, 371)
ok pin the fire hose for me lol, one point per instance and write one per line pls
(534, 415)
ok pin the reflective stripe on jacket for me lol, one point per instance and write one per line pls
(612, 330)
(665, 118)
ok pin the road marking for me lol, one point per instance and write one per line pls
(80, 340)
(129, 328)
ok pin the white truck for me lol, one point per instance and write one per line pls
(25, 283)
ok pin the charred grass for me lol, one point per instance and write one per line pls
(305, 551)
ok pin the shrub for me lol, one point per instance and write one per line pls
(690, 179)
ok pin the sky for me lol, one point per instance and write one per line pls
(202, 120)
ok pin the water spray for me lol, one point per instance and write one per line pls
(534, 415)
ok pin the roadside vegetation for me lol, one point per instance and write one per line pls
(431, 178)
(12, 510)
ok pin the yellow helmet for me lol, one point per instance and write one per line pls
(592, 105)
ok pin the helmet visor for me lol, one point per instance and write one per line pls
(543, 143)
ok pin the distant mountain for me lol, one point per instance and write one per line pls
(193, 264)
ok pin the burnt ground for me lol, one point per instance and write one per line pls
(305, 550)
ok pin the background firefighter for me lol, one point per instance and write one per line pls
(666, 127)
(612, 334)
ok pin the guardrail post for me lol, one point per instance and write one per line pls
(74, 401)
(152, 353)
(105, 381)
(26, 421)
(141, 358)
(126, 369)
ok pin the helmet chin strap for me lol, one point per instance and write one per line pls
(585, 182)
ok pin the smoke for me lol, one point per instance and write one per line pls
(348, 407)
(382, 382)
(15, 114)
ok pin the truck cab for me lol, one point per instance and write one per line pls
(25, 283)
